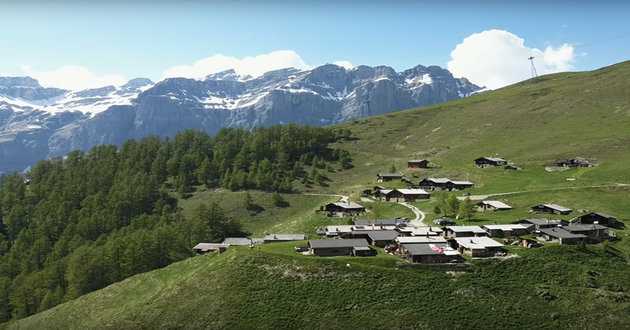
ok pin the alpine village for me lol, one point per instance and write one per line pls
(504, 209)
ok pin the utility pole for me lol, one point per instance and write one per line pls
(534, 73)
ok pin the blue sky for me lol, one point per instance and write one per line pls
(68, 43)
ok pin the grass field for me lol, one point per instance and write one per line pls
(531, 124)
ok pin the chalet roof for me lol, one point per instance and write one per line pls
(390, 175)
(538, 221)
(338, 243)
(438, 180)
(477, 243)
(210, 246)
(379, 235)
(461, 182)
(417, 161)
(505, 227)
(587, 228)
(412, 191)
(420, 239)
(466, 229)
(492, 159)
(385, 191)
(238, 241)
(429, 249)
(421, 231)
(496, 204)
(348, 205)
(560, 233)
(600, 214)
(378, 222)
(556, 207)
(348, 228)
(285, 237)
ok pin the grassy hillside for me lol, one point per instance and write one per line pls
(533, 123)
(563, 287)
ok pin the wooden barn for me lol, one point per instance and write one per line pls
(484, 162)
(478, 246)
(342, 209)
(418, 163)
(492, 206)
(386, 177)
(599, 218)
(550, 208)
(339, 247)
(559, 235)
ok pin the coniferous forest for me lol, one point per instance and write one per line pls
(78, 223)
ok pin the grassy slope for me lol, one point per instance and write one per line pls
(244, 289)
(532, 123)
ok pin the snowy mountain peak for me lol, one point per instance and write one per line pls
(38, 122)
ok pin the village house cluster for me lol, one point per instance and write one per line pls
(446, 243)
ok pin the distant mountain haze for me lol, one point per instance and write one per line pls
(38, 122)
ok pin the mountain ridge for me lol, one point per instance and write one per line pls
(110, 115)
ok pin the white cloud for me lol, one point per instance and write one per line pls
(251, 65)
(73, 77)
(344, 64)
(496, 58)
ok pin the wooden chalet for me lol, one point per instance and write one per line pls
(202, 248)
(418, 163)
(339, 247)
(459, 185)
(386, 177)
(464, 231)
(478, 246)
(378, 238)
(402, 195)
(550, 208)
(492, 206)
(342, 209)
(402, 240)
(429, 254)
(542, 223)
(484, 162)
(599, 218)
(575, 162)
(594, 233)
(559, 235)
(433, 184)
(508, 230)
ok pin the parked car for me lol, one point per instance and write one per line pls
(443, 222)
(466, 194)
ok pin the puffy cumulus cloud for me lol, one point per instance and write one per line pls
(73, 77)
(497, 58)
(344, 64)
(251, 65)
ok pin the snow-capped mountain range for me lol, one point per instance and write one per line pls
(38, 122)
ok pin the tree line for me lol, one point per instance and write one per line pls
(74, 224)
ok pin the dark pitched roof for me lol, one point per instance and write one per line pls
(560, 233)
(422, 249)
(391, 175)
(417, 161)
(382, 235)
(581, 228)
(338, 243)
(600, 214)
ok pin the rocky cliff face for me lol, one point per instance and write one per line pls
(38, 122)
